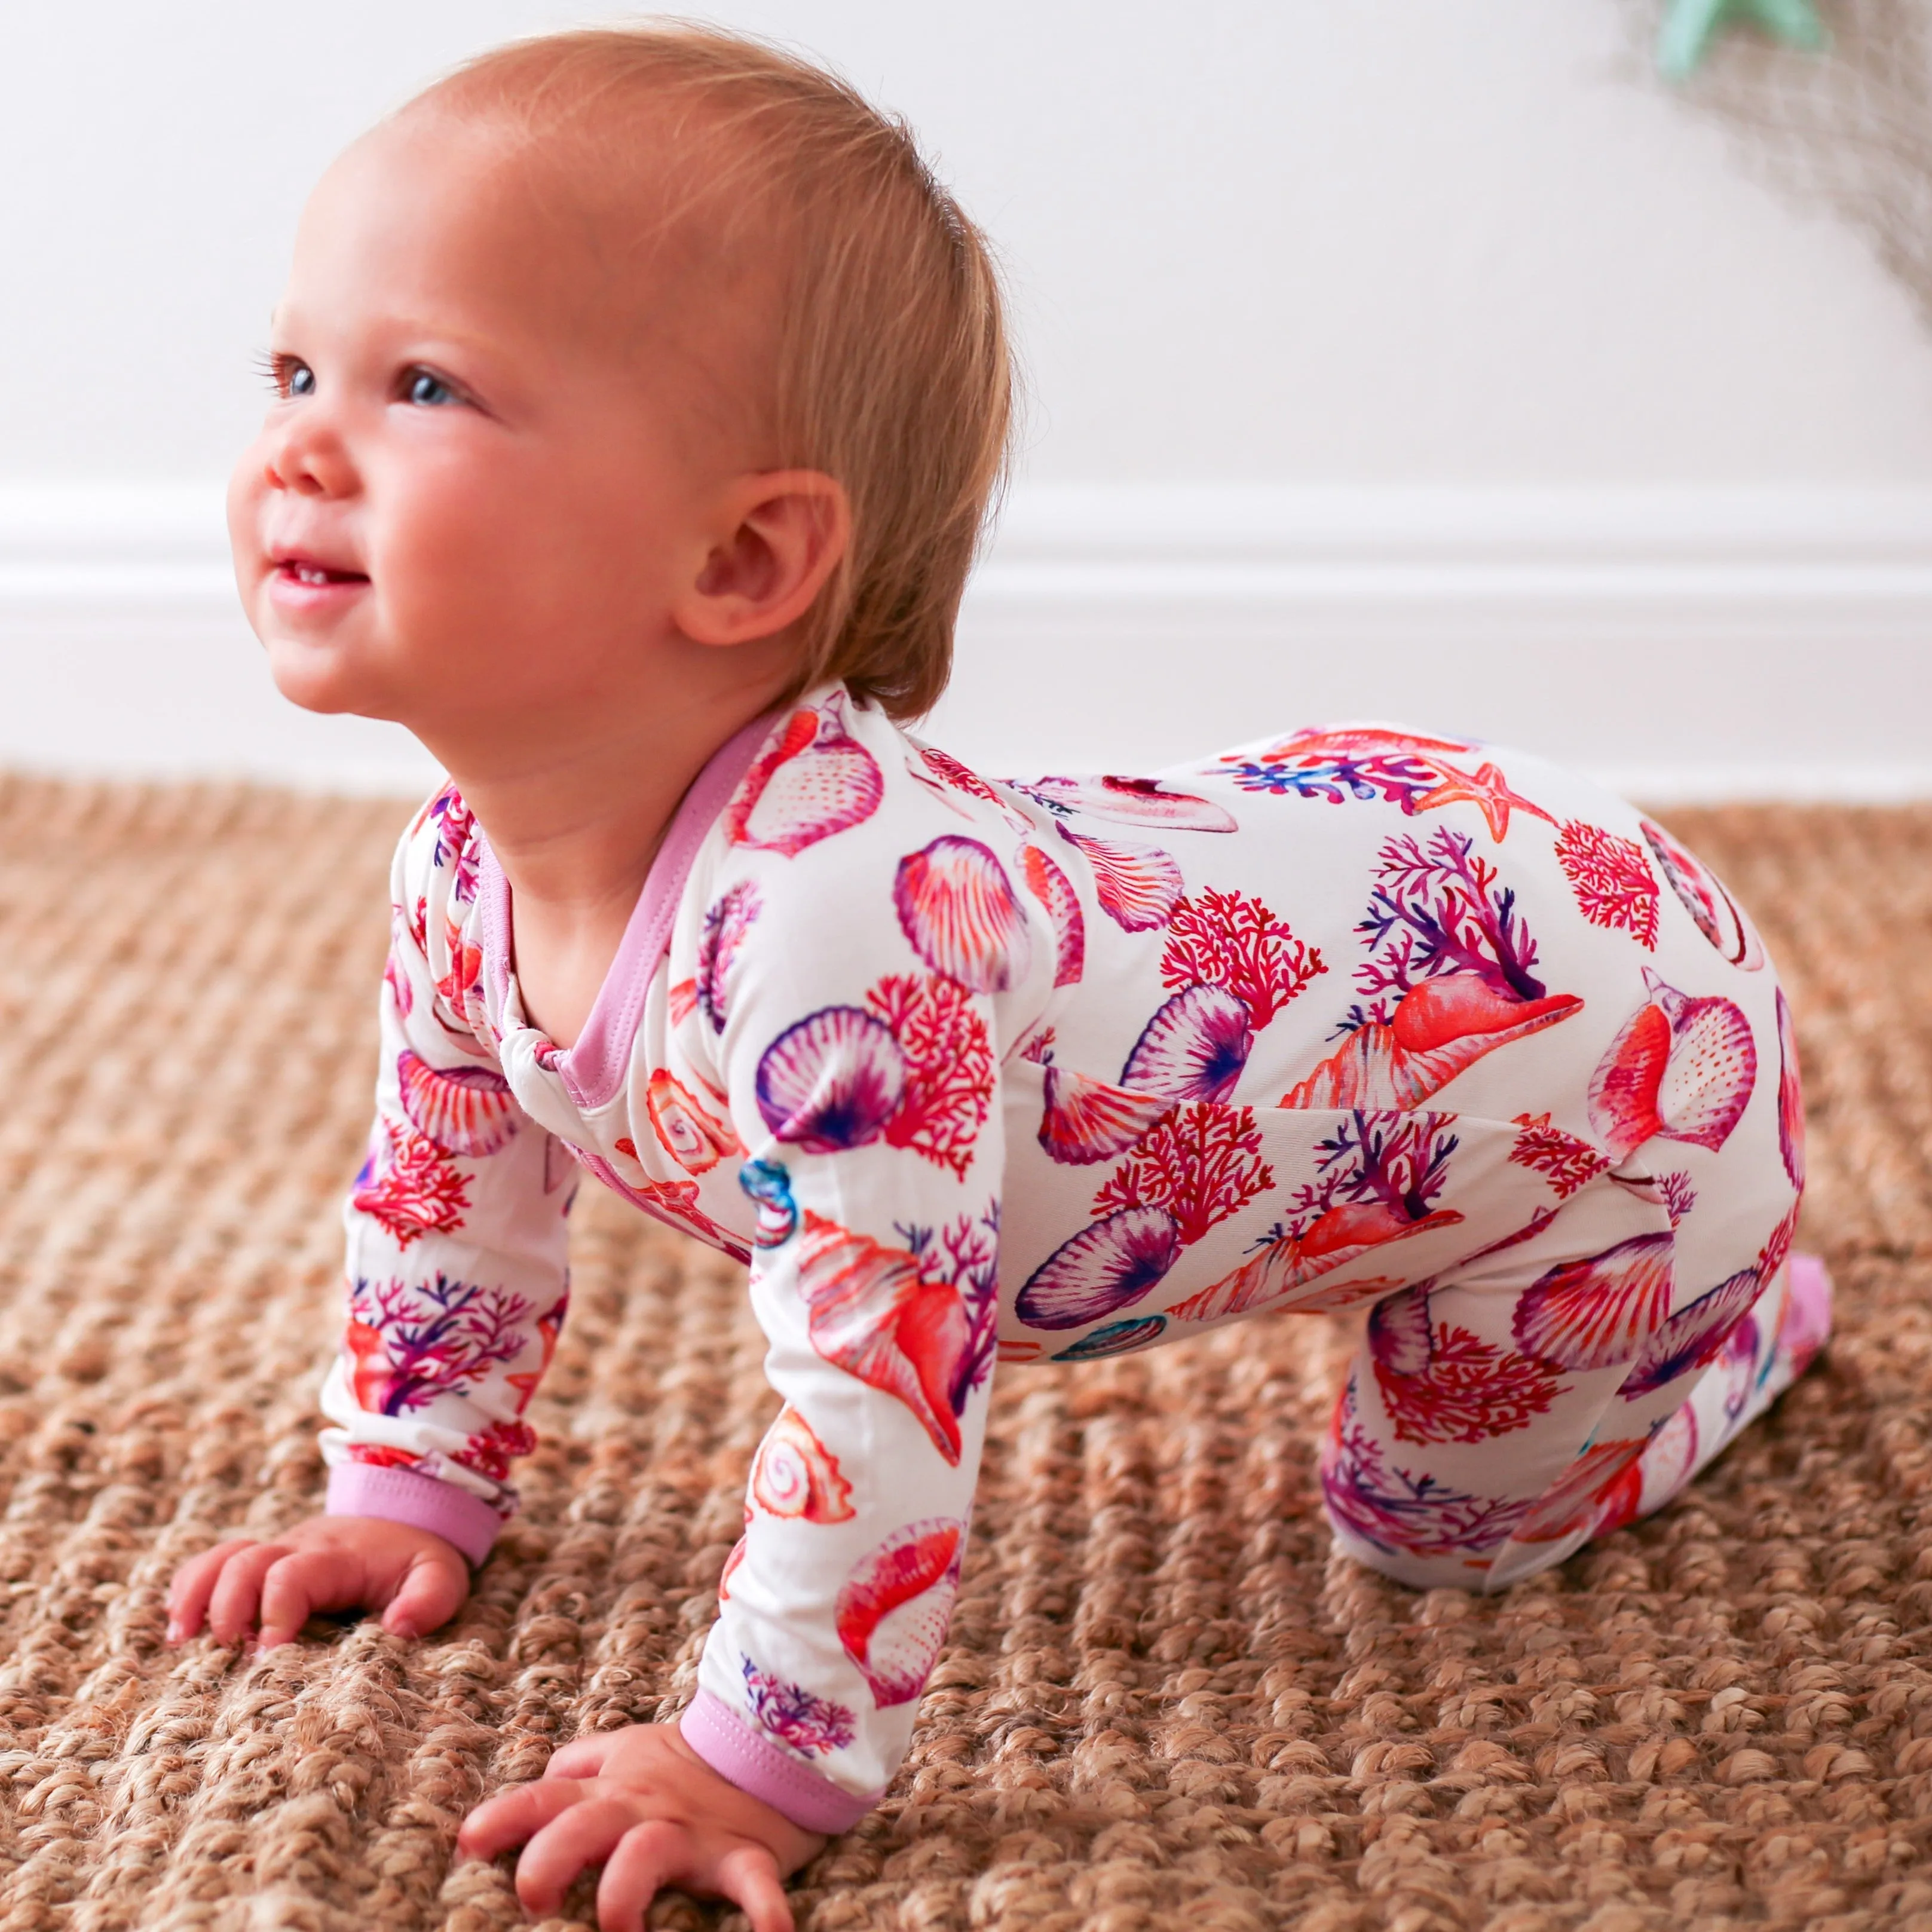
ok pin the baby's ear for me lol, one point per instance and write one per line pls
(780, 535)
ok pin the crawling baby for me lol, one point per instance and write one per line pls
(638, 399)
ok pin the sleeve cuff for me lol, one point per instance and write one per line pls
(751, 1761)
(405, 1495)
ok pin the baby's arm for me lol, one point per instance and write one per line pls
(456, 1288)
(863, 1086)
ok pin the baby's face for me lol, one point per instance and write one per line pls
(481, 478)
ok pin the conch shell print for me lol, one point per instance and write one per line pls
(1339, 1236)
(1085, 1121)
(768, 1184)
(464, 1110)
(1680, 1067)
(795, 1475)
(816, 780)
(692, 1137)
(1111, 1264)
(958, 910)
(1704, 898)
(1194, 1048)
(1574, 1503)
(1440, 1027)
(832, 1080)
(1130, 802)
(871, 1314)
(1055, 891)
(1600, 1311)
(893, 1612)
(1138, 886)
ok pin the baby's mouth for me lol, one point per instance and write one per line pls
(314, 576)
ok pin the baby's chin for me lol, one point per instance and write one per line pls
(327, 675)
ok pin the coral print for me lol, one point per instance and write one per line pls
(411, 1187)
(1442, 1383)
(816, 781)
(1613, 881)
(1050, 1072)
(1413, 1511)
(1231, 940)
(455, 829)
(1680, 1068)
(1377, 1179)
(948, 1088)
(811, 1725)
(1200, 1164)
(1565, 1160)
(413, 1342)
(1448, 979)
(916, 1071)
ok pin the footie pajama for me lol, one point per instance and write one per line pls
(1047, 1071)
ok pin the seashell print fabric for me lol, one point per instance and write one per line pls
(1045, 1072)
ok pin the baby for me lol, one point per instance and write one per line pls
(639, 399)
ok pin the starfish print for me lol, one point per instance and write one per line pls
(1691, 25)
(1485, 789)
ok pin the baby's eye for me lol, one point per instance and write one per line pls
(419, 386)
(287, 377)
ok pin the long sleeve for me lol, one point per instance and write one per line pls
(850, 990)
(456, 1274)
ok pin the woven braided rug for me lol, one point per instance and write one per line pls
(1164, 1703)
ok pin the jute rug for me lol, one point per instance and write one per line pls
(1164, 1703)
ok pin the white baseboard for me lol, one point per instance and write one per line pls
(1686, 643)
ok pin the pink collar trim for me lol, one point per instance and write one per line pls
(593, 1070)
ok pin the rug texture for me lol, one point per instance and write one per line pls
(1165, 1702)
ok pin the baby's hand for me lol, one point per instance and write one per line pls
(416, 1579)
(641, 1801)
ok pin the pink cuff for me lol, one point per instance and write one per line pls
(405, 1495)
(751, 1761)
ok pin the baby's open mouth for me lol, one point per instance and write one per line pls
(302, 570)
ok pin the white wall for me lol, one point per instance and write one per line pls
(1387, 357)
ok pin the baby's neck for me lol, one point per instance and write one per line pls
(575, 828)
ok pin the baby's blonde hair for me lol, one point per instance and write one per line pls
(893, 373)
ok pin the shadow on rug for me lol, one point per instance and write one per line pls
(1163, 1703)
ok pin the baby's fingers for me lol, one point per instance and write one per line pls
(194, 1584)
(749, 1875)
(303, 1583)
(584, 1833)
(431, 1593)
(511, 1816)
(231, 1609)
(647, 1858)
